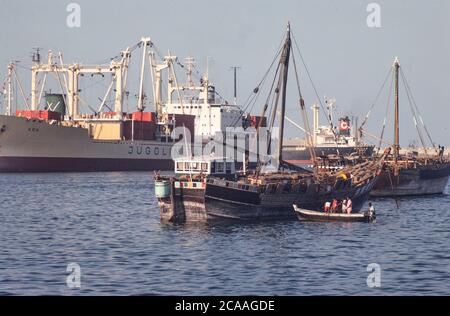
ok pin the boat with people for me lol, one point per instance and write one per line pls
(201, 192)
(320, 216)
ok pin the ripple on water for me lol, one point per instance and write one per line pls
(108, 223)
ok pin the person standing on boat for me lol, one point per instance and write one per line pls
(371, 213)
(349, 206)
(334, 206)
(344, 206)
(371, 210)
(441, 151)
(327, 206)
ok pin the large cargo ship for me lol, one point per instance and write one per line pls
(52, 134)
(36, 145)
(328, 140)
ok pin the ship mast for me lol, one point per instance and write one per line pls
(9, 91)
(145, 42)
(284, 61)
(396, 66)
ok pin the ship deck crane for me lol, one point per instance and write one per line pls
(73, 71)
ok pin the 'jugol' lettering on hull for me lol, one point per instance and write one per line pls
(147, 150)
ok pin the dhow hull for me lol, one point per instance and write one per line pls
(216, 202)
(413, 182)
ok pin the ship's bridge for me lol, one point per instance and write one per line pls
(205, 165)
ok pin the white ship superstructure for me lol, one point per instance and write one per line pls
(327, 139)
(330, 136)
(211, 115)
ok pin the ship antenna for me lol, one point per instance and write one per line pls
(235, 68)
(190, 65)
(36, 55)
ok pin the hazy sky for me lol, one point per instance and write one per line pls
(347, 59)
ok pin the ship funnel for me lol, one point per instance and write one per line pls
(55, 102)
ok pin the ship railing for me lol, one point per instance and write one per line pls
(233, 185)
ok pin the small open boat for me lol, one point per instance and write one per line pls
(308, 215)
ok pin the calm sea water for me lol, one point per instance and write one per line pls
(108, 223)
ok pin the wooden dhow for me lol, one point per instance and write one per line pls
(411, 174)
(204, 193)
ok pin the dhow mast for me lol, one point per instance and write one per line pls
(284, 75)
(396, 66)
